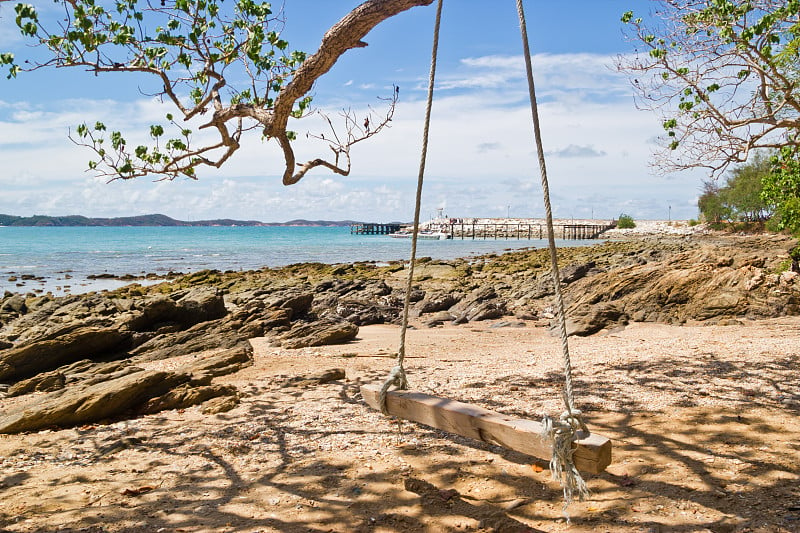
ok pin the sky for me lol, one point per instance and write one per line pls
(481, 155)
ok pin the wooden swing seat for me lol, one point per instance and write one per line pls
(592, 454)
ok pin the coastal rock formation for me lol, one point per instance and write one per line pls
(85, 394)
(318, 333)
(61, 359)
(62, 346)
(701, 285)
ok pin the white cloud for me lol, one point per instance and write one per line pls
(481, 155)
(574, 150)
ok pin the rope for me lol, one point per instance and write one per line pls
(397, 376)
(562, 433)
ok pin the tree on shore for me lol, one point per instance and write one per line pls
(197, 51)
(781, 189)
(741, 198)
(711, 203)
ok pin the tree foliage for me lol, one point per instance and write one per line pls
(744, 186)
(198, 51)
(711, 203)
(740, 199)
(625, 221)
(725, 74)
(781, 189)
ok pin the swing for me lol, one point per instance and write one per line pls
(566, 443)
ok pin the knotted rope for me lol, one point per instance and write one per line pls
(562, 433)
(397, 376)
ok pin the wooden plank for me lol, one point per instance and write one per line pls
(592, 454)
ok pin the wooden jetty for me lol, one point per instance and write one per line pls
(483, 228)
(518, 229)
(374, 229)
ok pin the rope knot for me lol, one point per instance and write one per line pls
(562, 433)
(397, 377)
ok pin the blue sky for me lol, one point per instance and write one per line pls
(481, 154)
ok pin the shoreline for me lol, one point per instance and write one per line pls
(20, 280)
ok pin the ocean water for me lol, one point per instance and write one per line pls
(61, 258)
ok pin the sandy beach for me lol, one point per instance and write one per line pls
(704, 423)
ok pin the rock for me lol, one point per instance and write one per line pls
(177, 311)
(507, 324)
(363, 313)
(14, 303)
(45, 382)
(274, 318)
(473, 300)
(574, 272)
(487, 310)
(222, 363)
(88, 404)
(186, 395)
(75, 343)
(299, 302)
(596, 319)
(320, 333)
(199, 305)
(439, 319)
(416, 295)
(436, 302)
(319, 378)
(212, 335)
(221, 404)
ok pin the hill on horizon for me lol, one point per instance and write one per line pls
(152, 220)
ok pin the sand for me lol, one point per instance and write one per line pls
(704, 423)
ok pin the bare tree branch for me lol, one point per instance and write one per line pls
(194, 51)
(723, 77)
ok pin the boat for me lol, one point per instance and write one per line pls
(423, 235)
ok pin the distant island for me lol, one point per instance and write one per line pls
(153, 220)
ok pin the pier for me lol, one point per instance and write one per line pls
(519, 228)
(374, 229)
(497, 228)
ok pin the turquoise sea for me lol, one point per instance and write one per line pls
(61, 258)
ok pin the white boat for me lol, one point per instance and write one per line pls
(424, 235)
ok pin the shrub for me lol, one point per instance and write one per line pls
(625, 222)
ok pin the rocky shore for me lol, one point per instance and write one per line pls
(217, 403)
(72, 360)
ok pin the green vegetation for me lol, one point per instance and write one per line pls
(781, 190)
(625, 222)
(740, 199)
